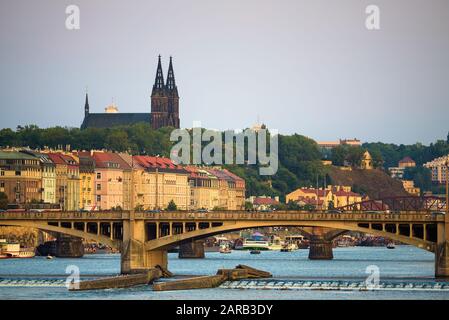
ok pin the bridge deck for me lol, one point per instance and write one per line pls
(356, 216)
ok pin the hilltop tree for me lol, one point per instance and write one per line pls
(352, 154)
(172, 206)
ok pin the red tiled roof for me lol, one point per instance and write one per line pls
(63, 159)
(406, 160)
(220, 174)
(56, 158)
(104, 159)
(155, 162)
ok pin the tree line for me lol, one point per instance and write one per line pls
(299, 157)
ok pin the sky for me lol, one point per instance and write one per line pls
(300, 66)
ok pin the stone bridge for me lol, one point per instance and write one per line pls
(144, 238)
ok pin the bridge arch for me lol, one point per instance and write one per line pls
(340, 228)
(68, 231)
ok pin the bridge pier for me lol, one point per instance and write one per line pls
(69, 247)
(192, 250)
(134, 256)
(320, 249)
(442, 252)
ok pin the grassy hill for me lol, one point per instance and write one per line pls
(374, 183)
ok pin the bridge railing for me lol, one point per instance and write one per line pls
(292, 216)
(62, 215)
(225, 216)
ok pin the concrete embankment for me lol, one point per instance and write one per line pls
(122, 281)
(239, 272)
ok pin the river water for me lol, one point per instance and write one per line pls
(405, 265)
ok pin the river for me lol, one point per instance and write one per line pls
(405, 264)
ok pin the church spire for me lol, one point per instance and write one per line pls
(159, 81)
(86, 105)
(171, 84)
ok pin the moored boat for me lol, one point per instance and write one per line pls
(224, 248)
(13, 250)
(249, 244)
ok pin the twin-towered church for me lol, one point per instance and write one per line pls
(164, 107)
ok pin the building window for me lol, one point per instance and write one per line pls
(98, 198)
(99, 175)
(18, 173)
(98, 187)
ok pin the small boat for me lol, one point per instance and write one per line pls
(255, 252)
(14, 250)
(390, 245)
(49, 257)
(225, 249)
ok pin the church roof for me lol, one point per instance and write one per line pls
(407, 159)
(106, 120)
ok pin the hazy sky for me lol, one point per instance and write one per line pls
(309, 67)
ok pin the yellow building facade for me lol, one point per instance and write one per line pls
(67, 181)
(157, 181)
(87, 180)
(340, 196)
(20, 177)
(204, 189)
